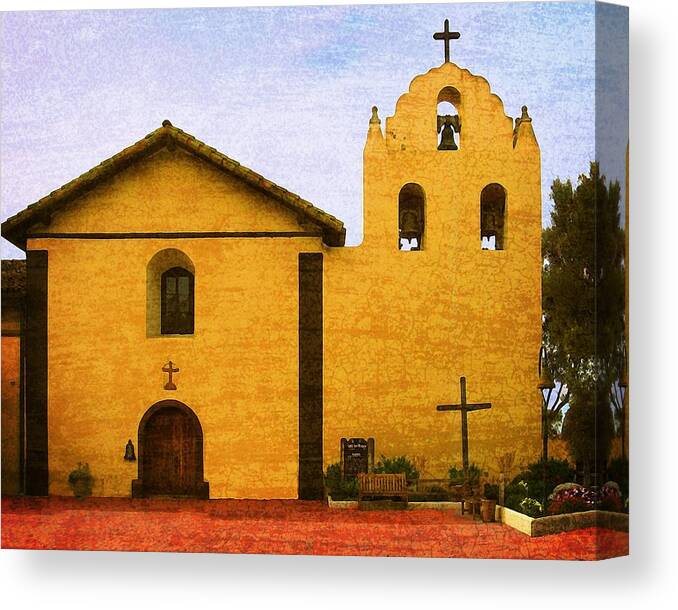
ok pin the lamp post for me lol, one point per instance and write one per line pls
(545, 386)
(623, 385)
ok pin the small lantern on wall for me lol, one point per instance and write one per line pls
(129, 452)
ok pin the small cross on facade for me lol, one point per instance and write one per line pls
(447, 36)
(169, 369)
(464, 407)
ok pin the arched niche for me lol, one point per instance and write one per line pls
(448, 119)
(166, 262)
(411, 217)
(493, 217)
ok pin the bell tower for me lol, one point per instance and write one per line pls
(447, 281)
(450, 172)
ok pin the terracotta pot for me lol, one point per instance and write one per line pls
(487, 510)
(81, 488)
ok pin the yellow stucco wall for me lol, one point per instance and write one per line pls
(9, 407)
(238, 372)
(400, 328)
(172, 191)
(404, 326)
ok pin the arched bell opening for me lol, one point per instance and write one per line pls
(411, 217)
(493, 217)
(448, 119)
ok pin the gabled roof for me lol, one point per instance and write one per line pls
(14, 229)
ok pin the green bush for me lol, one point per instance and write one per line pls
(339, 489)
(81, 480)
(456, 475)
(397, 465)
(539, 480)
(516, 498)
(491, 491)
(514, 494)
(618, 471)
(531, 507)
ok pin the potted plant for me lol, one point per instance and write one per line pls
(81, 481)
(488, 504)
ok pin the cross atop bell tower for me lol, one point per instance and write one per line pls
(446, 36)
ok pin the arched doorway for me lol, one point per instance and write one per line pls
(170, 452)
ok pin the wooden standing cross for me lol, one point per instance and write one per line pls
(464, 407)
(169, 369)
(447, 36)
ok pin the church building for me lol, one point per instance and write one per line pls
(178, 300)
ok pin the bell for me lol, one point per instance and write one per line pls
(409, 224)
(129, 452)
(447, 139)
(449, 124)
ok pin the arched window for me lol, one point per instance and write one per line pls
(493, 217)
(449, 123)
(411, 204)
(176, 302)
(170, 298)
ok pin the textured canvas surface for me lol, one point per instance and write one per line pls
(423, 353)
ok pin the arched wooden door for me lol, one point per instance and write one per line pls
(170, 452)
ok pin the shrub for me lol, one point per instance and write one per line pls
(541, 481)
(81, 480)
(332, 474)
(588, 427)
(456, 475)
(346, 489)
(397, 465)
(513, 501)
(573, 500)
(580, 499)
(514, 494)
(618, 471)
(531, 507)
(491, 491)
(609, 499)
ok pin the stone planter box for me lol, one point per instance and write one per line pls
(353, 504)
(437, 505)
(442, 505)
(342, 504)
(554, 524)
(516, 520)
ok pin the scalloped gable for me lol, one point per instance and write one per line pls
(167, 144)
(484, 122)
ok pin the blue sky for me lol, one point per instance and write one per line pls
(287, 91)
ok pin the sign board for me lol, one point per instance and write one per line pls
(357, 456)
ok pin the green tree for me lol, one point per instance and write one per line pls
(583, 309)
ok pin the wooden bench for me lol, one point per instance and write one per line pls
(382, 486)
